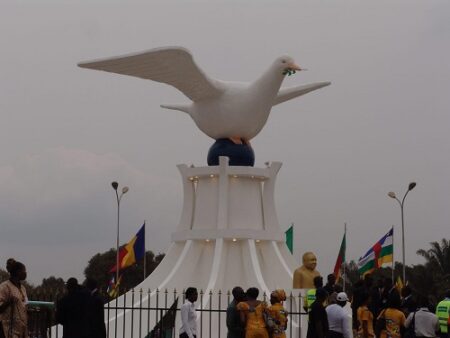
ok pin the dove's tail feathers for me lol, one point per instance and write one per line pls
(180, 107)
(286, 94)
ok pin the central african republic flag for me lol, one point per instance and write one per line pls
(379, 255)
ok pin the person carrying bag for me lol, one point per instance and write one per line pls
(392, 319)
(410, 331)
(422, 323)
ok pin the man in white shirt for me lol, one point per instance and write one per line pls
(338, 319)
(188, 315)
(424, 322)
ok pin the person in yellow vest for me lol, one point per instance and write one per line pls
(443, 313)
(448, 327)
(310, 295)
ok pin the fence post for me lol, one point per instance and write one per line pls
(174, 299)
(132, 311)
(149, 293)
(300, 307)
(124, 306)
(220, 311)
(201, 313)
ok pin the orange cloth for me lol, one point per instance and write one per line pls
(395, 319)
(364, 315)
(279, 316)
(255, 326)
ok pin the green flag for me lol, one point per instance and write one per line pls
(290, 238)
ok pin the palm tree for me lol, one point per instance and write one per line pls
(438, 266)
(438, 256)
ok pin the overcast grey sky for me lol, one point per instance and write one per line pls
(66, 132)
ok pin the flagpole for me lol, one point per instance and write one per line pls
(345, 256)
(115, 186)
(145, 255)
(393, 257)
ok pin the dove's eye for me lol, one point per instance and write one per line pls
(283, 61)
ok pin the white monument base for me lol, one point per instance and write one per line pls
(228, 236)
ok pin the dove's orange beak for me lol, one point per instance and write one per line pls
(293, 66)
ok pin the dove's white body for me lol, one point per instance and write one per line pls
(242, 110)
(220, 109)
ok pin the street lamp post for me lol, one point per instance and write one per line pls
(391, 194)
(115, 186)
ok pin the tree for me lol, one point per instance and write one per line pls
(437, 268)
(438, 256)
(50, 289)
(351, 273)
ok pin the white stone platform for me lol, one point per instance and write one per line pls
(228, 236)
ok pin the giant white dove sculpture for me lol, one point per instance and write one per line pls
(221, 109)
(229, 233)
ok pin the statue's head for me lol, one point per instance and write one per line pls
(286, 65)
(309, 261)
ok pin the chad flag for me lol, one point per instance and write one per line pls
(133, 251)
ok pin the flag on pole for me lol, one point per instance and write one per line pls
(379, 255)
(290, 238)
(399, 284)
(133, 251)
(340, 258)
(113, 287)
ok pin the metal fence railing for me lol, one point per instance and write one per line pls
(155, 314)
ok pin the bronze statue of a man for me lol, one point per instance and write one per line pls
(304, 275)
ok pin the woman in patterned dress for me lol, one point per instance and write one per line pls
(277, 314)
(13, 299)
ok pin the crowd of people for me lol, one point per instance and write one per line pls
(376, 310)
(247, 317)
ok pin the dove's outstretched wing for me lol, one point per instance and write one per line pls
(172, 65)
(285, 94)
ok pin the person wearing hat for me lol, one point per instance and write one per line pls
(338, 319)
(277, 314)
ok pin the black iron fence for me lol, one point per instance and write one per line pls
(155, 314)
